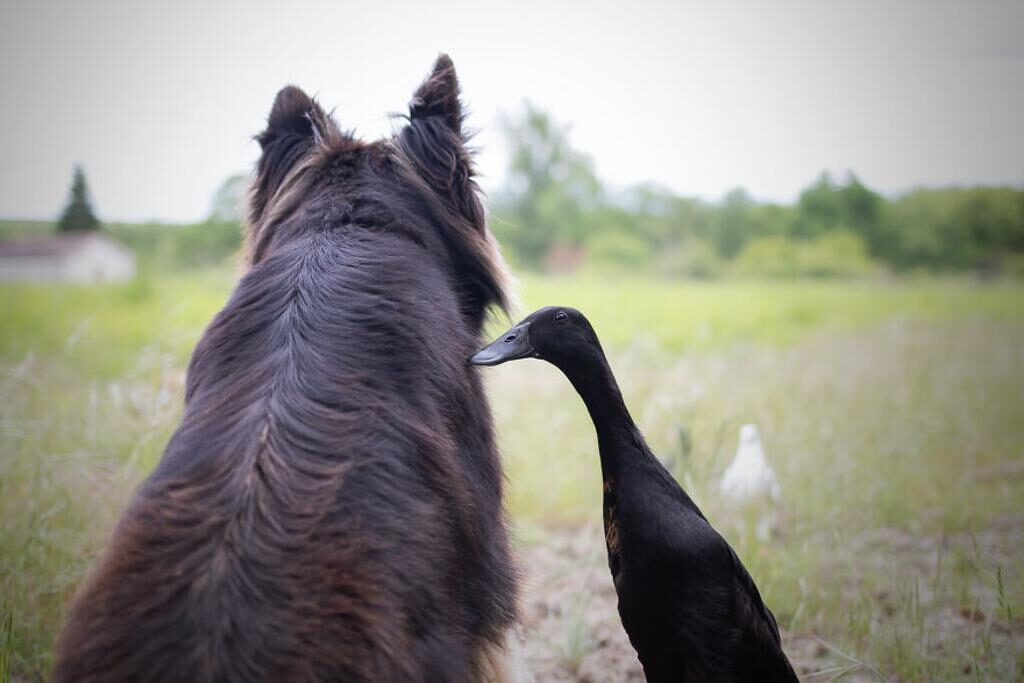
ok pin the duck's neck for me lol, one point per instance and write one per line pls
(617, 435)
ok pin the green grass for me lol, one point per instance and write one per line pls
(892, 412)
(100, 332)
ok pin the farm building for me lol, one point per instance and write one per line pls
(85, 258)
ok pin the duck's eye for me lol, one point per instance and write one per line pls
(510, 338)
(561, 317)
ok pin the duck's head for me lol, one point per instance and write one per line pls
(749, 434)
(557, 334)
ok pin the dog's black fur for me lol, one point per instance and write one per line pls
(330, 508)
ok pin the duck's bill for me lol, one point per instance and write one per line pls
(512, 345)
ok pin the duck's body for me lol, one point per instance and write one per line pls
(749, 477)
(690, 608)
(688, 605)
(750, 486)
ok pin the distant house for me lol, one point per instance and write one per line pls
(84, 258)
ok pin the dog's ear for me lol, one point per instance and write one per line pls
(435, 142)
(296, 123)
(438, 96)
(294, 113)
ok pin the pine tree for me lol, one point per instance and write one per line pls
(78, 215)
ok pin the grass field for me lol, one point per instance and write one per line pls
(892, 412)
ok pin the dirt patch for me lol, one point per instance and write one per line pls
(572, 631)
(571, 624)
(571, 627)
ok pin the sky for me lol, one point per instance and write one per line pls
(159, 101)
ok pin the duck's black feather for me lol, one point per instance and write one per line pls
(689, 606)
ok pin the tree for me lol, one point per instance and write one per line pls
(552, 187)
(78, 215)
(554, 202)
(862, 213)
(955, 228)
(229, 200)
(819, 208)
(734, 225)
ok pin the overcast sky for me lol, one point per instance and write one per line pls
(159, 102)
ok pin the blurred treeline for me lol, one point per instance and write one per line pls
(556, 214)
(163, 246)
(213, 241)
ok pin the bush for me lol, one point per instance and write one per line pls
(768, 256)
(618, 248)
(181, 246)
(694, 258)
(1011, 265)
(838, 253)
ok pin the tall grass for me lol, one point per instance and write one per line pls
(900, 450)
(892, 413)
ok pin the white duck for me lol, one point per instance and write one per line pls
(749, 476)
(749, 482)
